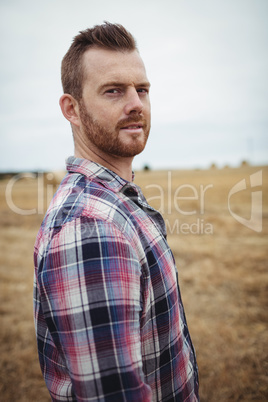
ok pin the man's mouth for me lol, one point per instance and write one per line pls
(132, 127)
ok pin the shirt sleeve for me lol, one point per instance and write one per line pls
(90, 286)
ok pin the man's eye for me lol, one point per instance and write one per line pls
(143, 90)
(113, 91)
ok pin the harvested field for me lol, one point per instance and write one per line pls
(222, 257)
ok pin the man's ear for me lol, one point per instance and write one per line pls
(70, 109)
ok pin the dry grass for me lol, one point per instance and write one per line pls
(223, 278)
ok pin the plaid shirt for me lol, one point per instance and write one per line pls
(109, 319)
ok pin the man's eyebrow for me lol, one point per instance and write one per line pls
(120, 84)
(144, 84)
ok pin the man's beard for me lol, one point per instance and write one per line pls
(109, 141)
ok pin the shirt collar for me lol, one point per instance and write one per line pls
(113, 182)
(97, 172)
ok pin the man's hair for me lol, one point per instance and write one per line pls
(105, 36)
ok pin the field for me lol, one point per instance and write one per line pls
(222, 257)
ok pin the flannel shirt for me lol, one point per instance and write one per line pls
(109, 318)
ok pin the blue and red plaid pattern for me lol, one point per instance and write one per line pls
(109, 318)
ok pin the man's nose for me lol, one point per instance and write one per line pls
(133, 102)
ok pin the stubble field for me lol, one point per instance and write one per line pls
(222, 259)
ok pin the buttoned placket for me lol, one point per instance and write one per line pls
(135, 194)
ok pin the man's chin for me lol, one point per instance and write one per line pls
(134, 146)
(130, 151)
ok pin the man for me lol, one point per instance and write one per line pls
(109, 319)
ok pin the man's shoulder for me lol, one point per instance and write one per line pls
(79, 197)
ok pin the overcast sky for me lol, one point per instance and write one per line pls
(207, 61)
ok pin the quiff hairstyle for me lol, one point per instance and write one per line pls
(105, 36)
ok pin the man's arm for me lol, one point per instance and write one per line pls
(91, 300)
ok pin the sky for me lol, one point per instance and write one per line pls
(207, 61)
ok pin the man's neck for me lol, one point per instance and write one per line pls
(119, 165)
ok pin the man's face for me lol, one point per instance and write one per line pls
(115, 106)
